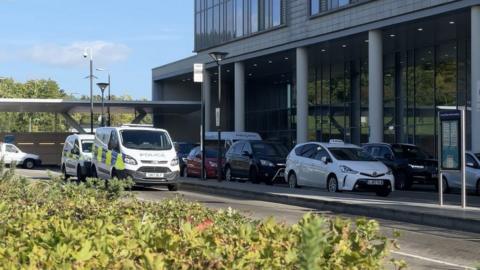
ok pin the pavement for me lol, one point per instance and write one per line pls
(414, 207)
(421, 246)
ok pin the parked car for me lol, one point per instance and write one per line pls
(10, 154)
(409, 163)
(77, 156)
(255, 160)
(183, 149)
(337, 166)
(452, 180)
(194, 163)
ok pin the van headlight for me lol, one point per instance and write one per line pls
(129, 160)
(345, 169)
(266, 163)
(174, 162)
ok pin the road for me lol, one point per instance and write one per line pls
(422, 247)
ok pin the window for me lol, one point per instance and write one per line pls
(471, 162)
(247, 148)
(220, 21)
(309, 150)
(379, 151)
(145, 140)
(350, 154)
(11, 148)
(87, 146)
(237, 148)
(321, 154)
(319, 6)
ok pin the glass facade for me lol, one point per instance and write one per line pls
(220, 21)
(320, 6)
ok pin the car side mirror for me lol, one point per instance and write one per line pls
(326, 160)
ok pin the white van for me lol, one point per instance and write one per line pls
(228, 138)
(77, 156)
(144, 154)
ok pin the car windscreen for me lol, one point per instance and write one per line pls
(145, 140)
(350, 154)
(409, 152)
(87, 146)
(269, 149)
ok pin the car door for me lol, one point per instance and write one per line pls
(306, 165)
(244, 160)
(320, 168)
(71, 164)
(10, 154)
(233, 156)
(196, 162)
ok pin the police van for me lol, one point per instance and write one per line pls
(145, 154)
(77, 156)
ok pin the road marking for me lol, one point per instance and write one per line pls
(432, 260)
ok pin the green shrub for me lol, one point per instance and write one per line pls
(57, 225)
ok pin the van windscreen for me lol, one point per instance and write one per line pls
(145, 140)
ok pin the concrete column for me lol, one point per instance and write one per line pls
(239, 97)
(302, 95)
(475, 47)
(375, 86)
(207, 92)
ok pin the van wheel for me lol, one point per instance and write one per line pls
(64, 172)
(253, 175)
(292, 180)
(29, 164)
(173, 187)
(94, 172)
(332, 184)
(80, 176)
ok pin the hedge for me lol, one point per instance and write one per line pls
(58, 225)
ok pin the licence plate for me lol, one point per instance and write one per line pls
(155, 175)
(375, 182)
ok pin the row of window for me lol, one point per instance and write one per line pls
(218, 21)
(320, 6)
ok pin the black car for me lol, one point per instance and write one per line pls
(410, 164)
(183, 149)
(256, 160)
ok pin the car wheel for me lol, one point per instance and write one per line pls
(253, 175)
(64, 172)
(228, 174)
(384, 192)
(29, 164)
(292, 180)
(173, 187)
(185, 172)
(80, 176)
(400, 181)
(332, 184)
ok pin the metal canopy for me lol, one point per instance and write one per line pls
(83, 106)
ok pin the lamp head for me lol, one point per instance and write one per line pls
(102, 86)
(218, 56)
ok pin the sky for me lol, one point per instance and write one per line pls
(46, 39)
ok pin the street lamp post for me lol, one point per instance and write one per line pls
(109, 96)
(85, 55)
(102, 87)
(218, 57)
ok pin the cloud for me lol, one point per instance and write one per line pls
(71, 55)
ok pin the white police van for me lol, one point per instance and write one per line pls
(144, 154)
(77, 156)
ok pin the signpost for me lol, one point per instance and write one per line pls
(452, 148)
(198, 70)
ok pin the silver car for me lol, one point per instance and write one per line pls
(451, 180)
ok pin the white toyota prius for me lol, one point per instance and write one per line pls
(337, 166)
